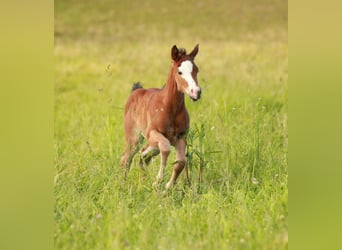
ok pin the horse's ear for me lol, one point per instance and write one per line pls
(194, 52)
(174, 53)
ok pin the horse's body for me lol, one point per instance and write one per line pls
(160, 115)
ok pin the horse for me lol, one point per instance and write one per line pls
(159, 116)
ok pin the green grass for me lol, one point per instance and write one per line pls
(236, 193)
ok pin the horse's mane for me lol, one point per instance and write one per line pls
(181, 52)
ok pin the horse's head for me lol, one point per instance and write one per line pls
(185, 71)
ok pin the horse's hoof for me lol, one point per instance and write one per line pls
(168, 185)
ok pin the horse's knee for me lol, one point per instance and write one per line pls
(156, 139)
(164, 146)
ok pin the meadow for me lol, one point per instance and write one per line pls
(234, 194)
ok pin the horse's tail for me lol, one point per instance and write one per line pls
(136, 85)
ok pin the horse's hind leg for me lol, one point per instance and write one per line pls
(130, 151)
(133, 143)
(132, 147)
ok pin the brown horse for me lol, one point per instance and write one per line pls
(160, 116)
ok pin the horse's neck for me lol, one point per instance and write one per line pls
(174, 99)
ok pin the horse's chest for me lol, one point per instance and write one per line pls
(178, 126)
(171, 125)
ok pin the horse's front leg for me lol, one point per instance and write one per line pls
(156, 139)
(146, 156)
(180, 161)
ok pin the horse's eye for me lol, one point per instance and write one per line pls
(179, 72)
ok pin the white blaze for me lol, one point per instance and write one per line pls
(186, 69)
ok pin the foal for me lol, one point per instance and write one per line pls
(160, 116)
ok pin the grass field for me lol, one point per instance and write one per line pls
(236, 192)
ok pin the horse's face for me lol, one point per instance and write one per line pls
(186, 72)
(186, 78)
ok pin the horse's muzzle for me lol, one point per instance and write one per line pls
(197, 97)
(199, 94)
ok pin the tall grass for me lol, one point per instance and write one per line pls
(234, 192)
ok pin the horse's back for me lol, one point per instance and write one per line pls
(139, 98)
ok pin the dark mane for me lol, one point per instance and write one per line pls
(181, 52)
